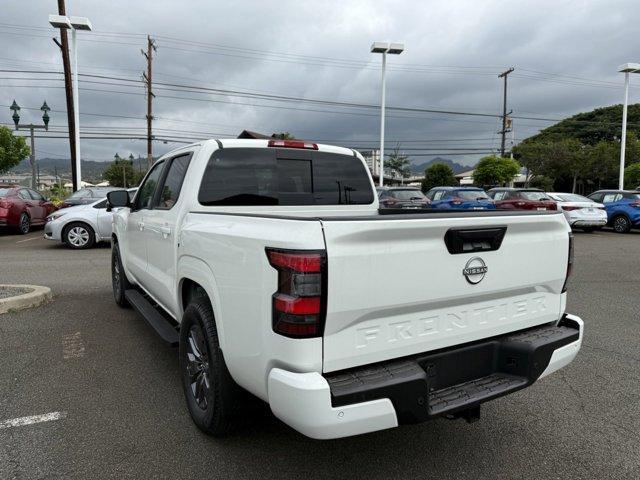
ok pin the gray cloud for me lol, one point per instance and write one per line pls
(579, 39)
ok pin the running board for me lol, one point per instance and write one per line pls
(158, 322)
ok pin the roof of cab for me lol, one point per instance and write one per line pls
(259, 143)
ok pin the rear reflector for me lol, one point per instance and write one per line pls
(299, 303)
(293, 144)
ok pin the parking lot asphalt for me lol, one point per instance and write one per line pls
(112, 389)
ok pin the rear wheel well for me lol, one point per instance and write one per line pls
(190, 290)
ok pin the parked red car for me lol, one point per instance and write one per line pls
(521, 199)
(21, 208)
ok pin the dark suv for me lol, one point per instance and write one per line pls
(403, 197)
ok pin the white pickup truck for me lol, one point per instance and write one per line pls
(270, 265)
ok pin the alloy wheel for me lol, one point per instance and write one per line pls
(198, 367)
(78, 236)
(620, 225)
(24, 223)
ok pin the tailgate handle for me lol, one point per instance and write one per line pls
(467, 240)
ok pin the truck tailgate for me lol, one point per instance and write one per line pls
(394, 288)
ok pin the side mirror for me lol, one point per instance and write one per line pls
(117, 199)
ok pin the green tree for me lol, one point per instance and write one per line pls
(438, 175)
(493, 170)
(398, 163)
(632, 176)
(13, 149)
(283, 136)
(121, 173)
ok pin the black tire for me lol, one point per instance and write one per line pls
(621, 224)
(24, 224)
(79, 236)
(119, 280)
(212, 395)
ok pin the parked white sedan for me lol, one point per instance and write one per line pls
(581, 212)
(81, 226)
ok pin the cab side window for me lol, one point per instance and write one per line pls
(24, 194)
(144, 198)
(438, 195)
(173, 182)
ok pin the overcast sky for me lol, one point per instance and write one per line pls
(565, 56)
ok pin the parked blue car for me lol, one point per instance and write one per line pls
(461, 198)
(622, 206)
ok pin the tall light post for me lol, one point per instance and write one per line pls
(15, 108)
(627, 68)
(74, 24)
(384, 48)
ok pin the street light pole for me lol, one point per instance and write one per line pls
(15, 108)
(382, 114)
(623, 141)
(627, 68)
(384, 48)
(76, 110)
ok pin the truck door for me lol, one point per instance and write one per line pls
(161, 236)
(136, 243)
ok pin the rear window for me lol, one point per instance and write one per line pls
(472, 194)
(408, 194)
(572, 197)
(259, 176)
(4, 192)
(535, 195)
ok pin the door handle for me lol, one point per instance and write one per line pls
(141, 226)
(165, 231)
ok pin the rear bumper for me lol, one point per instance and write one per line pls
(416, 388)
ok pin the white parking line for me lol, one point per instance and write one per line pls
(22, 421)
(72, 346)
(28, 239)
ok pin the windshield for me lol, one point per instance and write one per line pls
(572, 197)
(472, 195)
(81, 194)
(408, 194)
(535, 195)
(4, 192)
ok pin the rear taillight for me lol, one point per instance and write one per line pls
(568, 209)
(4, 204)
(299, 303)
(293, 144)
(569, 263)
(636, 204)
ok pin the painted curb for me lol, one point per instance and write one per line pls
(37, 296)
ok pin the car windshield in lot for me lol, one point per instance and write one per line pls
(472, 195)
(260, 176)
(408, 194)
(535, 196)
(4, 192)
(572, 197)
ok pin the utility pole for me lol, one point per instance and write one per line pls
(151, 47)
(66, 64)
(504, 110)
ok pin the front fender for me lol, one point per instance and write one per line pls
(195, 269)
